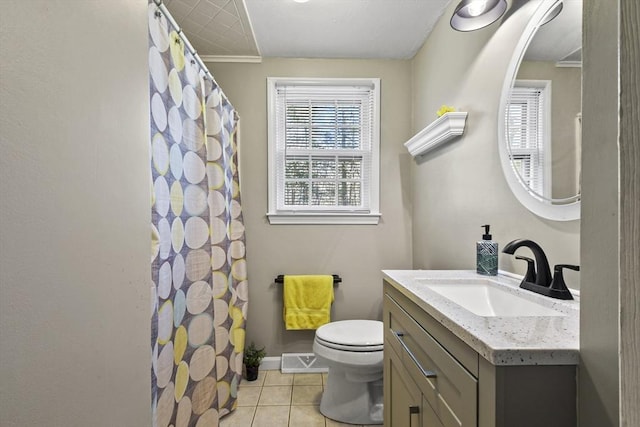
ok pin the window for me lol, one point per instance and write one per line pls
(528, 126)
(323, 151)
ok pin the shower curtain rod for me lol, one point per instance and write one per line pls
(183, 37)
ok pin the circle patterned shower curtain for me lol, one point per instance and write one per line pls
(200, 287)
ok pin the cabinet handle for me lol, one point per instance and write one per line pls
(412, 411)
(426, 373)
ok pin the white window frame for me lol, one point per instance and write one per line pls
(544, 167)
(322, 215)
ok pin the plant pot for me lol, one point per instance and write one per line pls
(252, 373)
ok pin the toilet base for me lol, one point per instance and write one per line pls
(351, 402)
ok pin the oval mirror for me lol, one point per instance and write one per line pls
(539, 126)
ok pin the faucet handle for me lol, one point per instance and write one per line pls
(531, 269)
(557, 283)
(559, 267)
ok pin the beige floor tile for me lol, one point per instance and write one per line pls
(241, 417)
(307, 416)
(292, 404)
(248, 396)
(271, 416)
(278, 378)
(307, 379)
(275, 395)
(257, 383)
(306, 395)
(324, 378)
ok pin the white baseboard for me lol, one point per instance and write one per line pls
(271, 363)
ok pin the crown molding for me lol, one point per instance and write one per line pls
(441, 130)
(231, 58)
(569, 64)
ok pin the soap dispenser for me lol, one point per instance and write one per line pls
(487, 254)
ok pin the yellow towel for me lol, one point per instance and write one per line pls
(307, 301)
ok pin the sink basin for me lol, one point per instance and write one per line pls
(487, 299)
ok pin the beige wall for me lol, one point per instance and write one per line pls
(356, 252)
(599, 319)
(460, 186)
(74, 214)
(566, 103)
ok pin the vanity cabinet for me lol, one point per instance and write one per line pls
(407, 406)
(432, 378)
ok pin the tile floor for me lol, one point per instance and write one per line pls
(280, 400)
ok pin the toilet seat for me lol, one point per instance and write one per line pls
(352, 335)
(346, 347)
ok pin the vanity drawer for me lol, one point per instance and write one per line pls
(460, 351)
(450, 390)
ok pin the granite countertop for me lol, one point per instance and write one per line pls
(519, 340)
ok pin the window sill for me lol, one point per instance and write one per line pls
(324, 218)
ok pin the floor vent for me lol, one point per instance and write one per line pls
(302, 363)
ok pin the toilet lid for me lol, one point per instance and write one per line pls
(354, 334)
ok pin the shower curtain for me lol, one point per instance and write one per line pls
(200, 288)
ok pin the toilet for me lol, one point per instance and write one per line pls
(352, 349)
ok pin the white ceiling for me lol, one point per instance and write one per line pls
(561, 38)
(215, 27)
(316, 29)
(343, 28)
(339, 28)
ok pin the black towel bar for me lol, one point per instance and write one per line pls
(336, 279)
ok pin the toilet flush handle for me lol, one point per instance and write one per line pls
(425, 372)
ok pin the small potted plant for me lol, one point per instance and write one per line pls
(252, 358)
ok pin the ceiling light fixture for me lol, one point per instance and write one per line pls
(475, 14)
(552, 13)
(300, 1)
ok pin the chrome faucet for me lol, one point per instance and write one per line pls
(538, 277)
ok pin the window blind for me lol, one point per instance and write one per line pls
(324, 147)
(525, 132)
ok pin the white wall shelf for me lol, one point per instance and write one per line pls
(443, 129)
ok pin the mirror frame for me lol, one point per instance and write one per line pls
(570, 211)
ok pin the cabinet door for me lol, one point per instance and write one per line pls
(450, 390)
(429, 418)
(402, 398)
